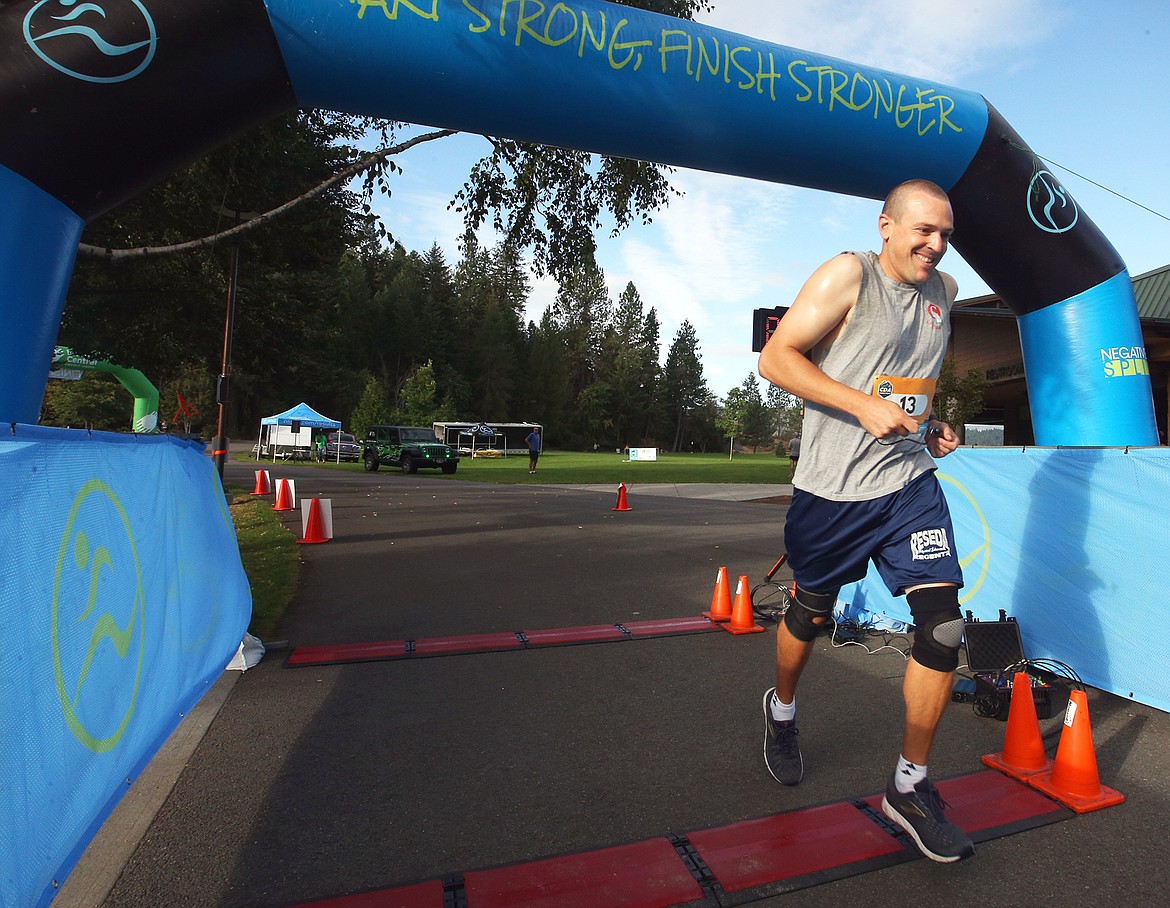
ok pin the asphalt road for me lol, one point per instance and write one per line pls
(316, 782)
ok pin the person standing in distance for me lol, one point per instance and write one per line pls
(862, 346)
(793, 455)
(533, 440)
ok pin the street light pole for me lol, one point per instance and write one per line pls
(219, 446)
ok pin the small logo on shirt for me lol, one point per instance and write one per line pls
(885, 389)
(927, 545)
(936, 314)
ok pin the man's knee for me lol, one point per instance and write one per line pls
(806, 615)
(938, 627)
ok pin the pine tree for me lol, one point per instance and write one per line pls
(545, 389)
(629, 365)
(683, 385)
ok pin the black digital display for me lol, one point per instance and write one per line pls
(764, 322)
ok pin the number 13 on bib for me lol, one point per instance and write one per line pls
(913, 395)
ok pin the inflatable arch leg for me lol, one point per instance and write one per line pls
(38, 242)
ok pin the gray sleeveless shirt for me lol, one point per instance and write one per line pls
(895, 330)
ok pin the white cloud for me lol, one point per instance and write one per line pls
(946, 44)
(418, 218)
(708, 247)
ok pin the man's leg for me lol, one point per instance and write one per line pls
(930, 673)
(926, 693)
(804, 618)
(791, 658)
(911, 799)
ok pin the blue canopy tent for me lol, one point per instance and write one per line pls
(302, 416)
(484, 431)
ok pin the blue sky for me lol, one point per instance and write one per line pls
(1085, 84)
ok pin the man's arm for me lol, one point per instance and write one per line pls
(821, 309)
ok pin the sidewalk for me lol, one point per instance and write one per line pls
(707, 491)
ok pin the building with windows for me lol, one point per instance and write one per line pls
(984, 336)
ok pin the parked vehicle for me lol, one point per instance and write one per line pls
(343, 446)
(408, 448)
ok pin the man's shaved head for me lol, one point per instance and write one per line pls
(896, 200)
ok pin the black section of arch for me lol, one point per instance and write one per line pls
(215, 72)
(997, 203)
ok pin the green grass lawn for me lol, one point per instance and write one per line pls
(269, 554)
(572, 467)
(575, 467)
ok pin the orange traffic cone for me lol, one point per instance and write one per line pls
(314, 531)
(621, 502)
(1073, 779)
(284, 496)
(720, 599)
(742, 621)
(1023, 750)
(263, 483)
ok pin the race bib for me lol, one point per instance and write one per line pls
(913, 395)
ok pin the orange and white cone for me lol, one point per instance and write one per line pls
(1023, 749)
(263, 483)
(742, 617)
(622, 504)
(316, 521)
(720, 598)
(285, 497)
(1073, 779)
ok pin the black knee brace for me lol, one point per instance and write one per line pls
(805, 617)
(938, 627)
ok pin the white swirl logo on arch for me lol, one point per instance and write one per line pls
(1050, 205)
(98, 619)
(71, 37)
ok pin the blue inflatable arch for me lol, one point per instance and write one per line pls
(100, 98)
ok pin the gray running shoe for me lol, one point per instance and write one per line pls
(920, 813)
(781, 749)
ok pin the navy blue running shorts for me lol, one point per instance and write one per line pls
(907, 533)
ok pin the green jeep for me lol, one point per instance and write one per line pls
(408, 448)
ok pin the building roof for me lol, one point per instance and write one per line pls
(1151, 290)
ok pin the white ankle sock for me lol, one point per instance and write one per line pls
(782, 712)
(907, 775)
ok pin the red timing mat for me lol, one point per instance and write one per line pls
(727, 865)
(328, 654)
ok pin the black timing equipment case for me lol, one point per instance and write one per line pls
(992, 647)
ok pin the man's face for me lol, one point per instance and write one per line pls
(915, 238)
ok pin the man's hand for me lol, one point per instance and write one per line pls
(883, 418)
(940, 438)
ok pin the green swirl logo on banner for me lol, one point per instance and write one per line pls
(98, 619)
(966, 514)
